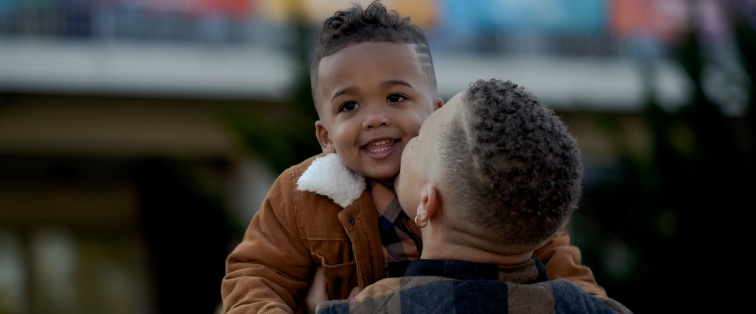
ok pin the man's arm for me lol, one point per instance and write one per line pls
(317, 293)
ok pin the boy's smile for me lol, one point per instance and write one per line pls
(372, 98)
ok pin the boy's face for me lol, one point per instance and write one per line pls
(371, 98)
(419, 160)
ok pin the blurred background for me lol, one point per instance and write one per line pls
(138, 137)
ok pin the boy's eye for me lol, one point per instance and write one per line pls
(395, 98)
(349, 106)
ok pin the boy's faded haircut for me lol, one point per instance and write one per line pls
(513, 165)
(373, 24)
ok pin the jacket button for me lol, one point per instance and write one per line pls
(351, 221)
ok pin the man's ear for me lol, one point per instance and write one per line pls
(430, 204)
(437, 104)
(323, 138)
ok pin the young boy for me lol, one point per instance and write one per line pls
(373, 84)
(490, 178)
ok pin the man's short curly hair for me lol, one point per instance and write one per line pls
(373, 24)
(512, 166)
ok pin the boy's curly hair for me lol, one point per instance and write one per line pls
(512, 166)
(373, 24)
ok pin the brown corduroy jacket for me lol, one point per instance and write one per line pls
(319, 214)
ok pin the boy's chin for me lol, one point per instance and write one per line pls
(386, 178)
(386, 181)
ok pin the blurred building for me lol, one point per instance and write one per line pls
(122, 185)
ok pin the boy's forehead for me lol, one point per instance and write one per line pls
(360, 52)
(370, 61)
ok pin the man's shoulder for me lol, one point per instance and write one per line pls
(375, 298)
(575, 299)
(424, 294)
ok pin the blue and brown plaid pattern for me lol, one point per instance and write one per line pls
(400, 245)
(437, 286)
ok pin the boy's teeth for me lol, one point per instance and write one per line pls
(373, 147)
(375, 150)
(383, 142)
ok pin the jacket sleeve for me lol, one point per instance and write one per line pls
(563, 260)
(270, 268)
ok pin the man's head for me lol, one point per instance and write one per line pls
(503, 168)
(373, 86)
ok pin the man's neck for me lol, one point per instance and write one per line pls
(453, 251)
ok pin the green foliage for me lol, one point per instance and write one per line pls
(277, 144)
(688, 200)
(281, 144)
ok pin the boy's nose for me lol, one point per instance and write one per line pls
(375, 120)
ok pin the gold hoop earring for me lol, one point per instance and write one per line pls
(418, 224)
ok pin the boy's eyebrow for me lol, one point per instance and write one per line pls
(342, 92)
(396, 82)
(388, 83)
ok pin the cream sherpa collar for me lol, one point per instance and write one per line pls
(329, 176)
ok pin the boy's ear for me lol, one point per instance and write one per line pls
(322, 134)
(438, 103)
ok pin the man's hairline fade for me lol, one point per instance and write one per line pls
(462, 140)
